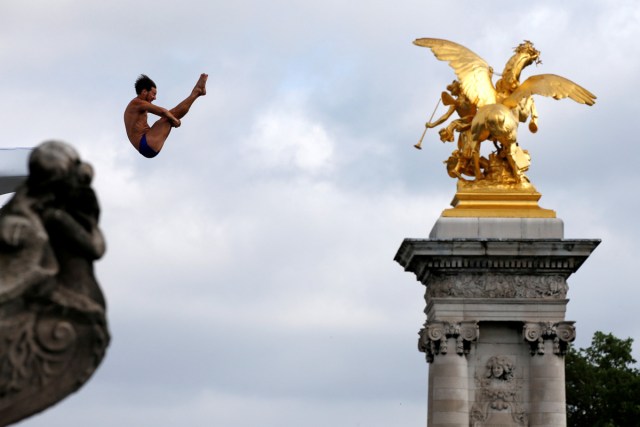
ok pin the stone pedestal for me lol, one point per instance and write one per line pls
(496, 334)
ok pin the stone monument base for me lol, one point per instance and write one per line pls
(495, 335)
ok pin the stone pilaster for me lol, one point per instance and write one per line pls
(548, 342)
(446, 345)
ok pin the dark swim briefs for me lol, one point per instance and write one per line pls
(144, 148)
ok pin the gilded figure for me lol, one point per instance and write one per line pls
(493, 113)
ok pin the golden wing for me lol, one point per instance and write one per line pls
(550, 85)
(473, 72)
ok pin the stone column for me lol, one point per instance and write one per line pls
(548, 343)
(446, 345)
(503, 279)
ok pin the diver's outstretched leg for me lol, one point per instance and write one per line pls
(159, 132)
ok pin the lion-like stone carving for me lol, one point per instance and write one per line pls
(53, 327)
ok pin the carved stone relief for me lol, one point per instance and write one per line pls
(53, 327)
(498, 391)
(496, 286)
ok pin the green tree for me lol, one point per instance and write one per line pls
(603, 386)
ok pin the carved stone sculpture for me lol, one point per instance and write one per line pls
(434, 336)
(562, 333)
(53, 327)
(498, 392)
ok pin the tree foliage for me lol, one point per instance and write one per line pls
(603, 385)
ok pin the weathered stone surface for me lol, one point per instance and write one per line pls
(497, 228)
(496, 295)
(492, 285)
(514, 256)
(498, 390)
(486, 309)
(53, 326)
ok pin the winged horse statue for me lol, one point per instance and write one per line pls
(500, 108)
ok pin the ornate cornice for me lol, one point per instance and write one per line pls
(559, 257)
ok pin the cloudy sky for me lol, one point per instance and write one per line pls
(249, 273)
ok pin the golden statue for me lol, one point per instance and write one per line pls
(489, 112)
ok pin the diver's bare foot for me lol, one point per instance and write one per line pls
(200, 89)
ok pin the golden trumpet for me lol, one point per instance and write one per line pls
(419, 144)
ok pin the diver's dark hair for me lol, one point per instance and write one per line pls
(144, 83)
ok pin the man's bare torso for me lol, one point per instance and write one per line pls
(135, 121)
